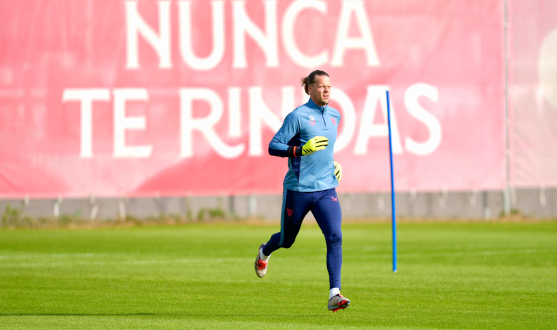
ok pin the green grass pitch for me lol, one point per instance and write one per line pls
(450, 276)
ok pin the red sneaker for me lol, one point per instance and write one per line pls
(260, 265)
(338, 302)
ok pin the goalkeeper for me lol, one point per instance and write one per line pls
(307, 137)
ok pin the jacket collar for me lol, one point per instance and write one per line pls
(312, 105)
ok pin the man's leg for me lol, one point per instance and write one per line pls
(328, 215)
(295, 206)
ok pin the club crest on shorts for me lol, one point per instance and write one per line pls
(334, 199)
(311, 120)
(289, 211)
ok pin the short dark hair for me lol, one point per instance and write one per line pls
(306, 81)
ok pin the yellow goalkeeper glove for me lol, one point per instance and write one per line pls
(314, 144)
(338, 171)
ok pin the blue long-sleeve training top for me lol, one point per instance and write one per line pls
(314, 172)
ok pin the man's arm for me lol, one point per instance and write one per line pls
(279, 144)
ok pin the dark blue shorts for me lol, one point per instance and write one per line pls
(326, 209)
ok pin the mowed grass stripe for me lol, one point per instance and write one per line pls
(451, 276)
(118, 258)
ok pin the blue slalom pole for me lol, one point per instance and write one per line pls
(393, 208)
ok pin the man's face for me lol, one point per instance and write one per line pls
(320, 90)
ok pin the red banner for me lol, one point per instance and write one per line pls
(533, 93)
(137, 98)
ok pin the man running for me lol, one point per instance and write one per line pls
(307, 137)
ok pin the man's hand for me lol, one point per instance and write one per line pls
(338, 171)
(315, 144)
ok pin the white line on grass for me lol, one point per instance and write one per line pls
(204, 259)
